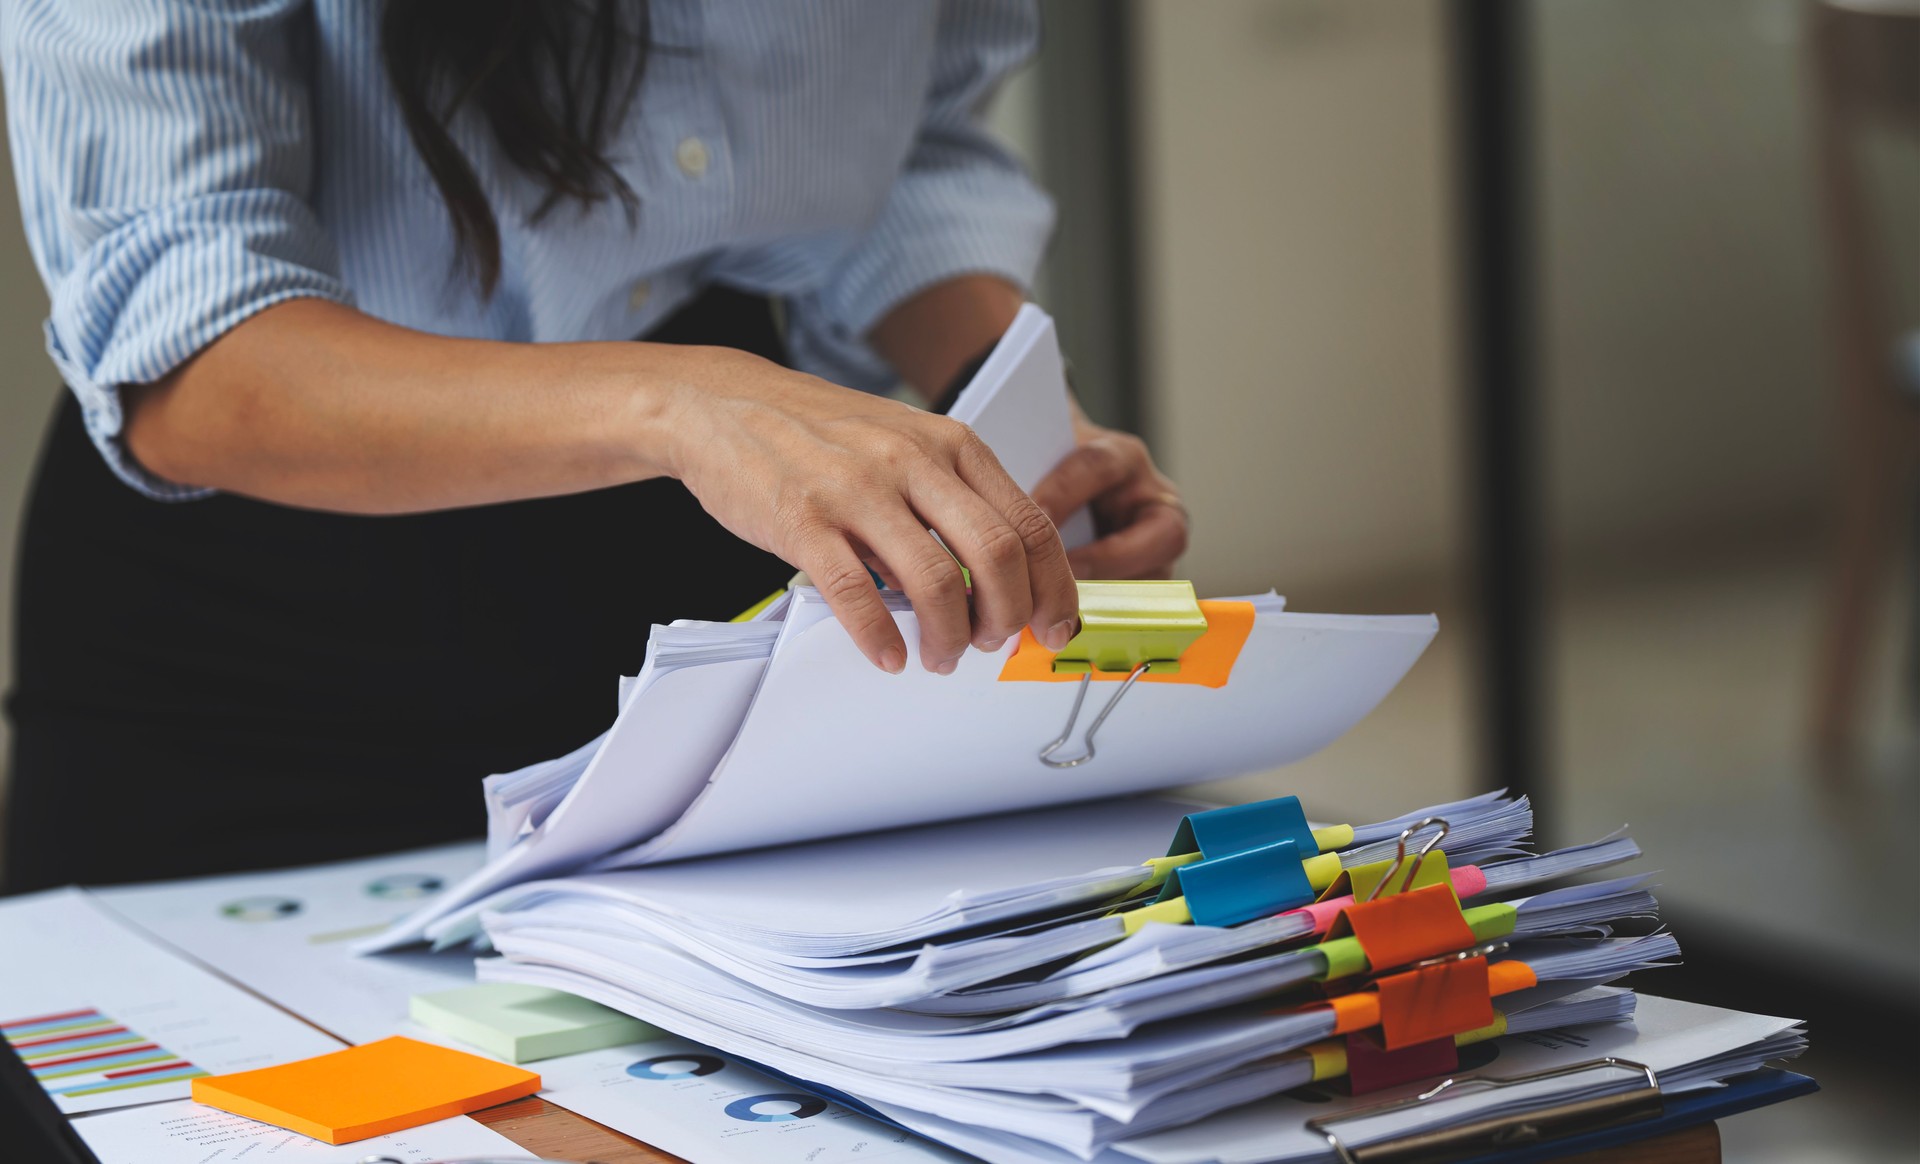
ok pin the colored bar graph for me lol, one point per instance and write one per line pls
(84, 1052)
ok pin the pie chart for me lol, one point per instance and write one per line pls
(260, 909)
(675, 1067)
(778, 1108)
(405, 886)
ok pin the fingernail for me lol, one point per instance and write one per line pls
(947, 668)
(992, 645)
(893, 660)
(1059, 634)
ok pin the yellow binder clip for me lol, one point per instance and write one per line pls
(1130, 627)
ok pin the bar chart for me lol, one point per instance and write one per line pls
(82, 1053)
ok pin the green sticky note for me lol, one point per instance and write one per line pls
(523, 1023)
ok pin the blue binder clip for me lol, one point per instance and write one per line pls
(1220, 832)
(1231, 865)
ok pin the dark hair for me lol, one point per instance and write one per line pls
(551, 78)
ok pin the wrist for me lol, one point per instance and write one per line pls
(674, 398)
(635, 401)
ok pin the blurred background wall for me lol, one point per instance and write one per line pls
(1260, 264)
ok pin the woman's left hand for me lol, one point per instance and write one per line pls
(1137, 514)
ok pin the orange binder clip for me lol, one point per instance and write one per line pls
(1430, 981)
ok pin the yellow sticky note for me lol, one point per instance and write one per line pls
(368, 1090)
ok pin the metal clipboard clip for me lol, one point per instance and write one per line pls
(1493, 1133)
(1131, 627)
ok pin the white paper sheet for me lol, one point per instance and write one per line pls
(656, 758)
(288, 934)
(833, 745)
(1018, 403)
(122, 1020)
(686, 1099)
(885, 884)
(186, 1133)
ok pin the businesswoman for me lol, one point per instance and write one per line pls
(363, 488)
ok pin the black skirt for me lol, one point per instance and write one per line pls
(228, 684)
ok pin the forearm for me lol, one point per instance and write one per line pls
(933, 334)
(316, 405)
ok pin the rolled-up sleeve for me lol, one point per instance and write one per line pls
(163, 157)
(961, 204)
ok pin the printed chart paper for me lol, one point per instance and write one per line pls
(105, 1018)
(288, 934)
(687, 1099)
(187, 1133)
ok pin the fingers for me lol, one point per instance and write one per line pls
(1052, 601)
(1106, 462)
(1145, 548)
(930, 577)
(988, 546)
(836, 570)
(872, 562)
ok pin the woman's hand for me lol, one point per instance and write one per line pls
(834, 480)
(1136, 509)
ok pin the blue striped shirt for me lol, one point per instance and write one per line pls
(184, 165)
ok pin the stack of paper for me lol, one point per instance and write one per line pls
(878, 885)
(1024, 1001)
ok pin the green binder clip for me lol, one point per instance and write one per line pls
(1131, 628)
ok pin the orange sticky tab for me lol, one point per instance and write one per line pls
(1509, 976)
(368, 1090)
(1407, 927)
(1434, 1002)
(1355, 1012)
(1208, 662)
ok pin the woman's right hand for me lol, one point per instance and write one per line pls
(833, 480)
(313, 404)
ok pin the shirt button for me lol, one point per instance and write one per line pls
(691, 153)
(637, 298)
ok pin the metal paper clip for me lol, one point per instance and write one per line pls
(1476, 1137)
(1073, 717)
(1400, 855)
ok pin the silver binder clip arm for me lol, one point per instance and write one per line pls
(1073, 717)
(1476, 1137)
(1400, 854)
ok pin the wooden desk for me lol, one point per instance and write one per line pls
(558, 1134)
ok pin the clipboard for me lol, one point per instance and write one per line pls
(1635, 1113)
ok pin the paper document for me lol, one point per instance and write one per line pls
(105, 1018)
(824, 747)
(288, 934)
(687, 1099)
(1019, 404)
(187, 1133)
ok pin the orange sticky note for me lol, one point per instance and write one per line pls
(1207, 663)
(368, 1090)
